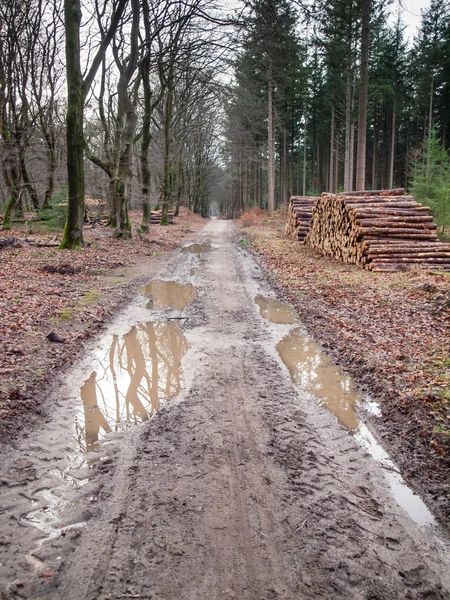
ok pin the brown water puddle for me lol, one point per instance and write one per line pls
(138, 373)
(315, 371)
(275, 311)
(196, 248)
(169, 294)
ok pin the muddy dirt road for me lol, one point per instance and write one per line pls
(242, 486)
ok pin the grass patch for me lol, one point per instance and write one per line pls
(91, 296)
(67, 314)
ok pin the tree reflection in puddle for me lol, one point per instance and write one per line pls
(132, 379)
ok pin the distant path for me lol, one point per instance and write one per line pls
(243, 488)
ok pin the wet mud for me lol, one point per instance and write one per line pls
(196, 248)
(248, 473)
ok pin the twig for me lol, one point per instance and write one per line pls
(301, 525)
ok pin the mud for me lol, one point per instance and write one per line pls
(196, 248)
(241, 486)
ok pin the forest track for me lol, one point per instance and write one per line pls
(241, 487)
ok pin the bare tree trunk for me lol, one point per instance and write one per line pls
(430, 123)
(51, 171)
(363, 96)
(145, 145)
(375, 147)
(73, 232)
(351, 174)
(166, 191)
(391, 169)
(336, 163)
(348, 123)
(27, 184)
(332, 151)
(304, 161)
(77, 89)
(285, 197)
(271, 149)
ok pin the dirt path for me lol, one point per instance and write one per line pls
(241, 487)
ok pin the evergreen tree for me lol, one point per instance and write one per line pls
(431, 179)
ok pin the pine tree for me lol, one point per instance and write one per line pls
(431, 179)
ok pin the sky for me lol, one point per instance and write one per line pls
(410, 11)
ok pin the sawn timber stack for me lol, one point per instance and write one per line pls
(299, 217)
(155, 217)
(383, 230)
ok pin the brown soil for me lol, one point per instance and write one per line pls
(390, 331)
(73, 294)
(241, 487)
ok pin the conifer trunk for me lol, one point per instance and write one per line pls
(271, 150)
(363, 96)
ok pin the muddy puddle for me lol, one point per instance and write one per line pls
(168, 294)
(275, 311)
(316, 372)
(196, 248)
(131, 379)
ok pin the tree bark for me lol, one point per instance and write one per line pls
(73, 232)
(77, 89)
(348, 121)
(271, 149)
(391, 166)
(332, 152)
(166, 191)
(304, 161)
(363, 96)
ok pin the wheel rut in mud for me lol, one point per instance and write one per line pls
(242, 486)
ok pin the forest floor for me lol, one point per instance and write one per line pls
(391, 331)
(239, 484)
(70, 293)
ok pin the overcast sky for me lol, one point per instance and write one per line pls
(410, 11)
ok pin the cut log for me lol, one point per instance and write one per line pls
(377, 230)
(299, 217)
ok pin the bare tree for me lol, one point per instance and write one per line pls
(363, 98)
(77, 90)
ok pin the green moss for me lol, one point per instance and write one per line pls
(67, 314)
(91, 296)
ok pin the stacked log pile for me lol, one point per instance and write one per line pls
(299, 217)
(382, 230)
(155, 217)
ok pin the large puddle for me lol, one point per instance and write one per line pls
(275, 311)
(315, 372)
(130, 380)
(168, 294)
